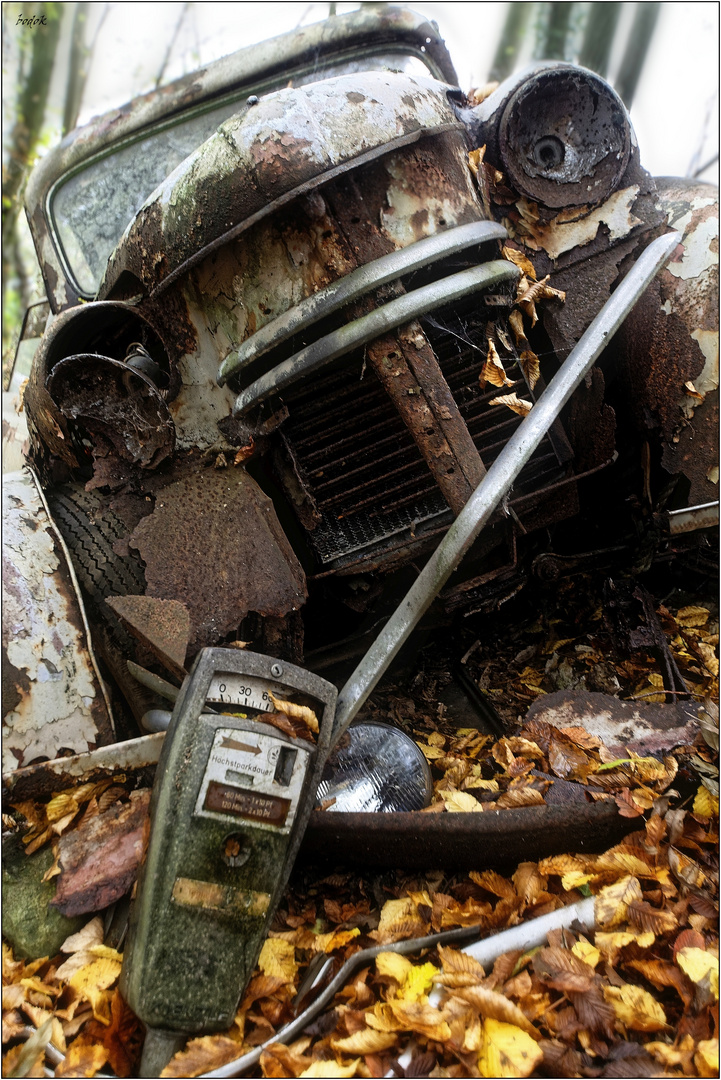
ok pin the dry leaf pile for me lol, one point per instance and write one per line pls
(638, 997)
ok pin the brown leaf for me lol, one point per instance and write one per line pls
(496, 1006)
(529, 882)
(202, 1055)
(83, 1058)
(493, 370)
(650, 919)
(421, 1018)
(688, 939)
(367, 1041)
(530, 366)
(513, 402)
(562, 970)
(566, 758)
(520, 796)
(456, 962)
(661, 973)
(593, 1011)
(686, 870)
(123, 1039)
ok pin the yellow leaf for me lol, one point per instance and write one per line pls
(296, 712)
(394, 965)
(560, 864)
(484, 785)
(336, 939)
(104, 952)
(520, 260)
(277, 957)
(625, 861)
(475, 159)
(705, 804)
(461, 802)
(431, 753)
(635, 1007)
(365, 1041)
(575, 878)
(587, 952)
(92, 980)
(382, 1018)
(330, 1069)
(418, 982)
(610, 944)
(665, 1054)
(701, 967)
(611, 905)
(506, 1051)
(394, 912)
(692, 616)
(706, 1058)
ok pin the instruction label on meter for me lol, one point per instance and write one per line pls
(253, 777)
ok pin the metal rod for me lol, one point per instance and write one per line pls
(498, 481)
(359, 332)
(356, 284)
(704, 516)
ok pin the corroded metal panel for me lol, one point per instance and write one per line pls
(670, 344)
(53, 699)
(287, 144)
(214, 543)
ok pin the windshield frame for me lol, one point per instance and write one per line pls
(320, 46)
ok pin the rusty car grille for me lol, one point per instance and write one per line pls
(357, 462)
(360, 467)
(349, 464)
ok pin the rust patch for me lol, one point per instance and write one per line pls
(120, 403)
(214, 543)
(162, 625)
(659, 356)
(591, 423)
(643, 727)
(100, 859)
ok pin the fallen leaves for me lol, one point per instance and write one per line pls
(507, 1051)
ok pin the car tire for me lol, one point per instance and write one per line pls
(90, 529)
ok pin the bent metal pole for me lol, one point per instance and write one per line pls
(498, 481)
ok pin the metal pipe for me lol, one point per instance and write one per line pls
(356, 284)
(498, 481)
(359, 332)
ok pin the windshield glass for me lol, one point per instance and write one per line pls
(90, 209)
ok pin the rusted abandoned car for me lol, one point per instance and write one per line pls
(300, 301)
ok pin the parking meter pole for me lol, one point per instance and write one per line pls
(159, 1047)
(498, 481)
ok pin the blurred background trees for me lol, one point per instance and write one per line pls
(79, 59)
